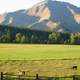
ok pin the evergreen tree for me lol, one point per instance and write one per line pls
(8, 35)
(34, 39)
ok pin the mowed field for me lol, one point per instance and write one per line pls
(38, 52)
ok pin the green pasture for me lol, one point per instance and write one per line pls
(36, 52)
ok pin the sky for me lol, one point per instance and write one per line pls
(14, 5)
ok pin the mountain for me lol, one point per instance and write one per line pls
(48, 15)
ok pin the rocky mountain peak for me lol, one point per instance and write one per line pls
(47, 15)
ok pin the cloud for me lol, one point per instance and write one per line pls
(13, 5)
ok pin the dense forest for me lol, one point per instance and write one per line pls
(9, 34)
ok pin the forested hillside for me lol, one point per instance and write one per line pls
(9, 34)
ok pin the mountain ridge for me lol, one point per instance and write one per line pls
(47, 15)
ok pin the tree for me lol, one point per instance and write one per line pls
(55, 38)
(72, 39)
(34, 39)
(3, 38)
(8, 35)
(27, 39)
(23, 39)
(18, 37)
(65, 38)
(75, 38)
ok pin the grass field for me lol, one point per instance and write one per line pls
(42, 67)
(37, 52)
(47, 60)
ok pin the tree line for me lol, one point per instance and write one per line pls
(9, 34)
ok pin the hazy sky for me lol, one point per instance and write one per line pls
(13, 5)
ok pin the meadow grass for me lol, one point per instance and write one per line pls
(38, 52)
(47, 60)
